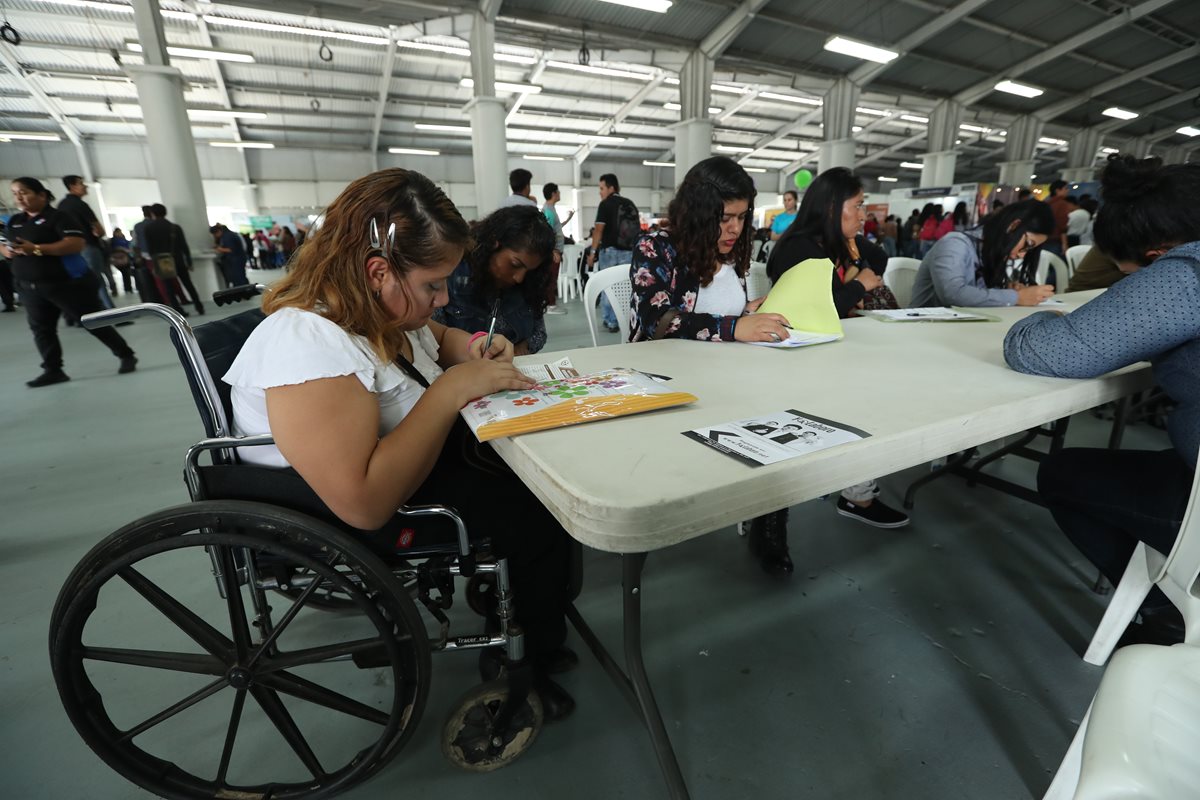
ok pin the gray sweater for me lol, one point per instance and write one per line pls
(1153, 315)
(948, 276)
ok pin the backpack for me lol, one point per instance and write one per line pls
(629, 224)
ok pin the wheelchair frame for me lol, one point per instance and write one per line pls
(511, 709)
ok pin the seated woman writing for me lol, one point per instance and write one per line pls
(970, 268)
(1105, 501)
(507, 272)
(361, 390)
(828, 226)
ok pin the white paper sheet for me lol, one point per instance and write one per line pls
(778, 437)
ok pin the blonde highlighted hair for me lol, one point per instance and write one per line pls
(328, 273)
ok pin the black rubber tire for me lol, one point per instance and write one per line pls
(233, 528)
(463, 734)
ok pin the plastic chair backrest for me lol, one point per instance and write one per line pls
(757, 282)
(900, 275)
(571, 255)
(1181, 572)
(1075, 255)
(600, 282)
(620, 295)
(1046, 260)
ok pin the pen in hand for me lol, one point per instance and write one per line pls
(487, 343)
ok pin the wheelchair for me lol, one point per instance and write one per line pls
(312, 627)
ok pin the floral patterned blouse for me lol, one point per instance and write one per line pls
(664, 296)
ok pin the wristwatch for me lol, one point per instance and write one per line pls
(37, 250)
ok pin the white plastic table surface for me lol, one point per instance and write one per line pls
(922, 390)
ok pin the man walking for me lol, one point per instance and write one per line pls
(165, 237)
(93, 229)
(613, 236)
(550, 211)
(233, 255)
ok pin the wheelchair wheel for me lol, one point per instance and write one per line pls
(470, 739)
(196, 690)
(325, 597)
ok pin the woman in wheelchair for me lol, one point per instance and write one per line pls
(361, 390)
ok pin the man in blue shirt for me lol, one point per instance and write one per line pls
(232, 255)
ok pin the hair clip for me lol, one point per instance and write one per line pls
(376, 244)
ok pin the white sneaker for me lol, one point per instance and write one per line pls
(555, 310)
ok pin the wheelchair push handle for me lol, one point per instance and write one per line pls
(112, 316)
(237, 294)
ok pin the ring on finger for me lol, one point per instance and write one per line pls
(775, 337)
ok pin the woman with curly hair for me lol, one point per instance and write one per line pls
(689, 281)
(506, 271)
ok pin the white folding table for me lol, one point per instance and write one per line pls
(634, 485)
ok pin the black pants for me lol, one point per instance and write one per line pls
(45, 302)
(6, 284)
(1106, 501)
(185, 277)
(494, 503)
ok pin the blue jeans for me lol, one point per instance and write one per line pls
(94, 257)
(611, 257)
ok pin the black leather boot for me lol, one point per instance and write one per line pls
(768, 541)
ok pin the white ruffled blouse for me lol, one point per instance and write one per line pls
(293, 346)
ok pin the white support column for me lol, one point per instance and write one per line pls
(489, 145)
(1019, 148)
(693, 134)
(937, 169)
(1139, 147)
(938, 164)
(837, 114)
(837, 153)
(1079, 174)
(1016, 173)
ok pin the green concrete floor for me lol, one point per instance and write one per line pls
(938, 661)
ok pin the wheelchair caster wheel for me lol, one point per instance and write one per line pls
(481, 593)
(469, 739)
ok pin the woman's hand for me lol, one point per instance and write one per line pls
(753, 305)
(1032, 295)
(501, 349)
(471, 380)
(9, 252)
(869, 280)
(761, 328)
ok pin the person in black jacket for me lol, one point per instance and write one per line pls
(53, 278)
(828, 225)
(164, 236)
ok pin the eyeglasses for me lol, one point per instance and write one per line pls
(1027, 244)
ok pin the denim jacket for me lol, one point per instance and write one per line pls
(664, 294)
(515, 320)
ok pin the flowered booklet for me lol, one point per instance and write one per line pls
(569, 401)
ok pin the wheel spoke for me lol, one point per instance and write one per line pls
(197, 663)
(235, 718)
(165, 714)
(315, 655)
(307, 690)
(273, 707)
(234, 601)
(200, 631)
(285, 620)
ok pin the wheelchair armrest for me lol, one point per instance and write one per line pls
(466, 558)
(237, 294)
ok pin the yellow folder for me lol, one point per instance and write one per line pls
(804, 296)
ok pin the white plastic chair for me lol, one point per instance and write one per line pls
(1046, 260)
(1075, 255)
(570, 285)
(614, 282)
(757, 282)
(1141, 736)
(900, 275)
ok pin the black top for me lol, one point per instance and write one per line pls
(80, 210)
(164, 236)
(46, 228)
(609, 213)
(801, 248)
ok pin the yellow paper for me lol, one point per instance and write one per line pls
(804, 296)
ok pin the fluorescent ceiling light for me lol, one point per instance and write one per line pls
(790, 98)
(503, 86)
(873, 112)
(884, 179)
(456, 50)
(729, 148)
(911, 165)
(721, 87)
(914, 118)
(1119, 113)
(611, 72)
(1188, 130)
(413, 151)
(245, 145)
(223, 113)
(1024, 90)
(29, 136)
(430, 126)
(754, 169)
(658, 163)
(544, 158)
(856, 128)
(1052, 141)
(975, 128)
(1108, 151)
(596, 137)
(677, 107)
(849, 47)
(255, 25)
(117, 8)
(198, 52)
(657, 6)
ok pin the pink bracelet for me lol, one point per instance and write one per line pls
(478, 335)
